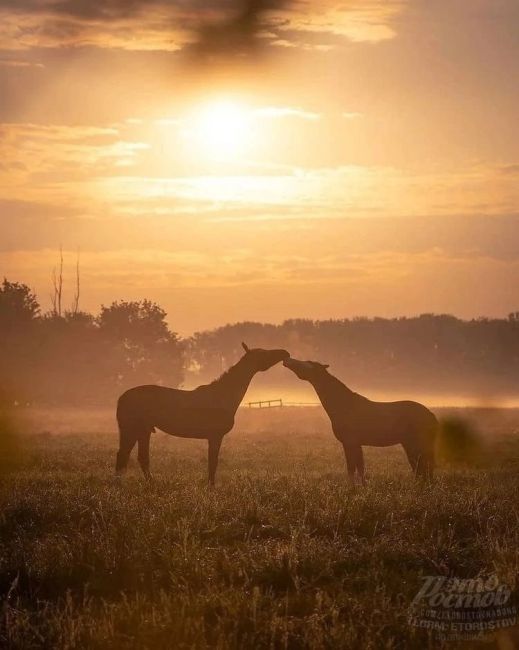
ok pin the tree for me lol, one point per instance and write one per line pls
(18, 305)
(136, 323)
(19, 311)
(143, 349)
(69, 360)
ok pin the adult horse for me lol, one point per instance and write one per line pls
(357, 421)
(207, 412)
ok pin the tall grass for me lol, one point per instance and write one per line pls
(283, 554)
(11, 450)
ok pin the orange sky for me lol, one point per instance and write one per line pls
(364, 160)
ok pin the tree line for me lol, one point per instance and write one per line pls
(74, 357)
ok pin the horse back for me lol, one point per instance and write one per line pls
(384, 423)
(142, 403)
(178, 412)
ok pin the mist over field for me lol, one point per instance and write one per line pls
(283, 554)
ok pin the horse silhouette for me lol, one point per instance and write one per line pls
(207, 412)
(357, 421)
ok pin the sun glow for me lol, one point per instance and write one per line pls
(222, 130)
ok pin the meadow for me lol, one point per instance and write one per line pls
(282, 554)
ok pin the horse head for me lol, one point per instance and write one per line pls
(264, 359)
(307, 370)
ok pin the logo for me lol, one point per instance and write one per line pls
(463, 608)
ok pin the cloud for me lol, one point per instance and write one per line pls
(133, 25)
(326, 23)
(207, 28)
(18, 63)
(138, 271)
(119, 169)
(285, 111)
(326, 269)
(192, 268)
(510, 169)
(46, 162)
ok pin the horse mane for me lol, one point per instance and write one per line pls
(225, 374)
(339, 387)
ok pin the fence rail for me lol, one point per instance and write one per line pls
(266, 404)
(277, 403)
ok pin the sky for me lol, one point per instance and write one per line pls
(314, 159)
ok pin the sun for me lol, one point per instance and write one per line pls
(222, 130)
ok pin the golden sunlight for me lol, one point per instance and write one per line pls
(221, 130)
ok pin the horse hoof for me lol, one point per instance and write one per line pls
(117, 480)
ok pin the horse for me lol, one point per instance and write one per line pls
(207, 412)
(357, 421)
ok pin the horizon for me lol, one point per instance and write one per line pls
(46, 309)
(208, 321)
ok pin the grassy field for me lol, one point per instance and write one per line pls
(283, 554)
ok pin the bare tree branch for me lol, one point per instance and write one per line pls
(75, 304)
(57, 285)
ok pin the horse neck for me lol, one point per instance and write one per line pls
(332, 392)
(232, 386)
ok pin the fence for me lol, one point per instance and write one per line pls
(266, 404)
(277, 403)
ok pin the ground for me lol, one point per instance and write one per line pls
(282, 554)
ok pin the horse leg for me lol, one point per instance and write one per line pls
(425, 467)
(360, 465)
(412, 454)
(143, 453)
(421, 459)
(351, 454)
(214, 449)
(127, 440)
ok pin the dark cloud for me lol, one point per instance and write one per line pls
(211, 28)
(244, 11)
(85, 9)
(240, 31)
(104, 9)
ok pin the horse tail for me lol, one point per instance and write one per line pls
(134, 427)
(432, 431)
(127, 435)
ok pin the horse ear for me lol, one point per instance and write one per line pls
(245, 347)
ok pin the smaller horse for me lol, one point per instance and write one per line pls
(207, 412)
(358, 421)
